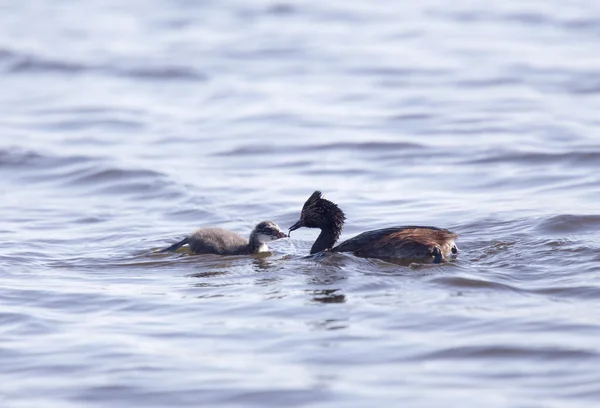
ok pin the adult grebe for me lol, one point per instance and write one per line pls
(408, 243)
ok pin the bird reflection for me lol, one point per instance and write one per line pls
(207, 274)
(262, 261)
(327, 295)
(329, 324)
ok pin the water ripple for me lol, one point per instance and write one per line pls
(32, 64)
(126, 126)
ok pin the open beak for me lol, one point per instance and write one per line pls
(298, 224)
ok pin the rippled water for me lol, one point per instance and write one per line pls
(124, 126)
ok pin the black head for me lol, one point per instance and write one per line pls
(318, 212)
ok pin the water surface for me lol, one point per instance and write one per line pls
(125, 126)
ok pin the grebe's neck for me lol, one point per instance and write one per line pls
(254, 245)
(326, 239)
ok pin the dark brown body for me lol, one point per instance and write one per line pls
(418, 244)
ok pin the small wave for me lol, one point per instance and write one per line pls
(573, 157)
(107, 179)
(409, 117)
(525, 18)
(6, 54)
(470, 283)
(569, 223)
(404, 73)
(489, 82)
(35, 65)
(569, 292)
(478, 352)
(252, 150)
(91, 174)
(16, 157)
(27, 64)
(281, 9)
(97, 176)
(160, 73)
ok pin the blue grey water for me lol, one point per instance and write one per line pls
(125, 125)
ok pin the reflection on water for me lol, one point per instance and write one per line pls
(327, 295)
(329, 324)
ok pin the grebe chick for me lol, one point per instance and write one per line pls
(406, 243)
(224, 242)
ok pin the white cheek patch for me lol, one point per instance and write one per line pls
(265, 238)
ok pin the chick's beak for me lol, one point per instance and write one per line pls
(298, 224)
(281, 234)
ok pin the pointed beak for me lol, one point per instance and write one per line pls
(298, 224)
(281, 234)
